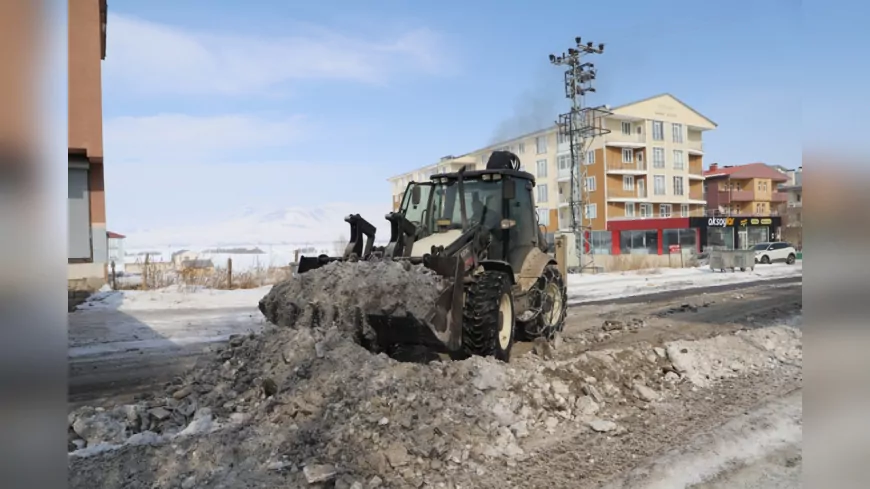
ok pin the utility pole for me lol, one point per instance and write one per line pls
(581, 125)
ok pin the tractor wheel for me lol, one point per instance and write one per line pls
(552, 299)
(488, 317)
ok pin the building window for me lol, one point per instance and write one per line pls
(679, 163)
(646, 210)
(677, 132)
(521, 147)
(659, 185)
(591, 211)
(658, 157)
(627, 182)
(665, 210)
(759, 208)
(629, 209)
(627, 155)
(678, 185)
(541, 144)
(601, 242)
(658, 131)
(590, 157)
(543, 215)
(590, 184)
(639, 242)
(562, 138)
(685, 238)
(684, 210)
(640, 159)
(542, 194)
(542, 168)
(626, 128)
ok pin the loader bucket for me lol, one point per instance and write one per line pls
(439, 330)
(403, 330)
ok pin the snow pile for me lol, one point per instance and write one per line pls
(295, 402)
(304, 403)
(342, 293)
(706, 361)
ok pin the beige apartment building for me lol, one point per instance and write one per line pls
(650, 165)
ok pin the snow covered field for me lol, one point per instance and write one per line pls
(113, 322)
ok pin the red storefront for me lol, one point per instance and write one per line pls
(654, 236)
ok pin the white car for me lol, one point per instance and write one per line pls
(776, 251)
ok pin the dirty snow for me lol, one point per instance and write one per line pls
(303, 403)
(581, 288)
(174, 297)
(306, 403)
(118, 321)
(614, 285)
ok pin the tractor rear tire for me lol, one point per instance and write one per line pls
(488, 319)
(552, 298)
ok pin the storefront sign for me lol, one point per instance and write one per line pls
(720, 221)
(675, 248)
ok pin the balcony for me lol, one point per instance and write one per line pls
(779, 197)
(714, 213)
(728, 196)
(695, 146)
(563, 174)
(627, 195)
(620, 140)
(636, 167)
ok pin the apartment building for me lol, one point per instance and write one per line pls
(650, 166)
(743, 205)
(88, 242)
(743, 190)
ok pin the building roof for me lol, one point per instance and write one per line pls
(751, 170)
(110, 234)
(665, 94)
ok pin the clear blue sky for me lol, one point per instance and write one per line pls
(226, 85)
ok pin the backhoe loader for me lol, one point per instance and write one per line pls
(479, 229)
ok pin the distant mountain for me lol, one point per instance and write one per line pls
(293, 225)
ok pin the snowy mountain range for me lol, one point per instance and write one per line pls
(293, 225)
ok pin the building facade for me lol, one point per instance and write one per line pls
(743, 190)
(88, 242)
(649, 167)
(743, 205)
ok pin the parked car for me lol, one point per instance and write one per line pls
(775, 251)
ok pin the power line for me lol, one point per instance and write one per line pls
(581, 125)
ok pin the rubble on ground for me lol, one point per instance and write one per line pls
(308, 406)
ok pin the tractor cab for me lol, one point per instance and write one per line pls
(498, 199)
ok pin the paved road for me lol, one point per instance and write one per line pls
(114, 355)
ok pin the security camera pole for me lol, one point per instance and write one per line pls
(581, 125)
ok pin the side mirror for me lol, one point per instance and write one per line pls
(415, 195)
